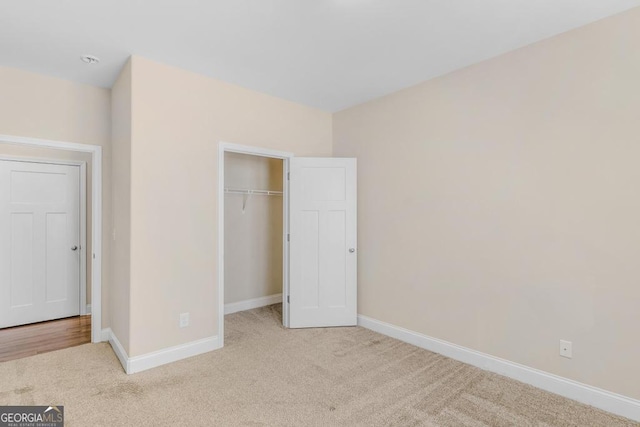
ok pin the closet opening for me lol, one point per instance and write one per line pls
(253, 246)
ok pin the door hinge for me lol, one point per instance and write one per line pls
(288, 176)
(288, 237)
(288, 301)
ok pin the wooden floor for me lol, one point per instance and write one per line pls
(29, 340)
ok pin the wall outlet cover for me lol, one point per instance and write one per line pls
(566, 349)
(184, 320)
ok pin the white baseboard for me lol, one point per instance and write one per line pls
(141, 363)
(172, 354)
(249, 304)
(118, 349)
(599, 398)
(105, 335)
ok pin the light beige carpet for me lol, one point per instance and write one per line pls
(267, 375)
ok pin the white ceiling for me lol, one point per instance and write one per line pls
(329, 54)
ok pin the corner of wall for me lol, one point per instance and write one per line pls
(119, 235)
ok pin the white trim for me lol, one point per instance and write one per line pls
(285, 241)
(105, 334)
(249, 304)
(264, 152)
(43, 160)
(82, 216)
(131, 365)
(599, 398)
(172, 354)
(83, 239)
(96, 223)
(255, 151)
(118, 349)
(96, 246)
(87, 309)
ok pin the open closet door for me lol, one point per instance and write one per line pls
(323, 258)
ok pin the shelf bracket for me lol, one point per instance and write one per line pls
(245, 199)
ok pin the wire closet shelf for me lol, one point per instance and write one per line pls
(252, 192)
(247, 193)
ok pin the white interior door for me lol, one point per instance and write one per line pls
(322, 251)
(39, 242)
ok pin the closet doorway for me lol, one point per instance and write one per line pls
(254, 215)
(287, 231)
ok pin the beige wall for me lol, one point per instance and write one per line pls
(253, 237)
(499, 205)
(121, 133)
(179, 119)
(37, 106)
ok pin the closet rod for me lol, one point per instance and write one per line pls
(253, 192)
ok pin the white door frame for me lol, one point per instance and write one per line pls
(227, 147)
(96, 218)
(83, 215)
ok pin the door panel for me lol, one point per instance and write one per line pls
(322, 287)
(39, 226)
(336, 261)
(309, 259)
(21, 260)
(37, 187)
(57, 251)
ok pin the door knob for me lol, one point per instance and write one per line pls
(352, 250)
(74, 248)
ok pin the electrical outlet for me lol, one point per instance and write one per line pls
(565, 349)
(184, 320)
